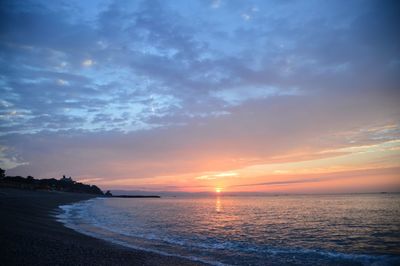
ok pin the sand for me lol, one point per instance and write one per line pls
(30, 235)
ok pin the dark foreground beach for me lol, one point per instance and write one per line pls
(29, 235)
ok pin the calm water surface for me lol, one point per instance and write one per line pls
(273, 230)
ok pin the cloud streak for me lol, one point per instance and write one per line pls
(327, 177)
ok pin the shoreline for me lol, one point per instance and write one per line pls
(31, 235)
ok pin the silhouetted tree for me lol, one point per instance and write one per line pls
(64, 184)
(108, 193)
(2, 173)
(30, 179)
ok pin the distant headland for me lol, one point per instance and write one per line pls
(64, 184)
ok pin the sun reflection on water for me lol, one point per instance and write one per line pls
(218, 205)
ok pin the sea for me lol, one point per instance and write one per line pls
(353, 229)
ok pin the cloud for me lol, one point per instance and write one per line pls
(328, 177)
(237, 96)
(143, 88)
(217, 175)
(87, 63)
(8, 158)
(246, 16)
(62, 82)
(215, 4)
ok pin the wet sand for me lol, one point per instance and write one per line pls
(30, 235)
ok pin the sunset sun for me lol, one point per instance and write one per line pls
(218, 190)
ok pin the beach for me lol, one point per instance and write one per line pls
(30, 235)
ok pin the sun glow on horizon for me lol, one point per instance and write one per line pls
(218, 190)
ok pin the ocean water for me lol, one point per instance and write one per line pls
(361, 229)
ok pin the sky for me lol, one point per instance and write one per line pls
(279, 96)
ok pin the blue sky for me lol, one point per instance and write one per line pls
(130, 90)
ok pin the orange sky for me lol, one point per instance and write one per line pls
(366, 168)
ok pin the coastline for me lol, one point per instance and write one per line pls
(29, 235)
